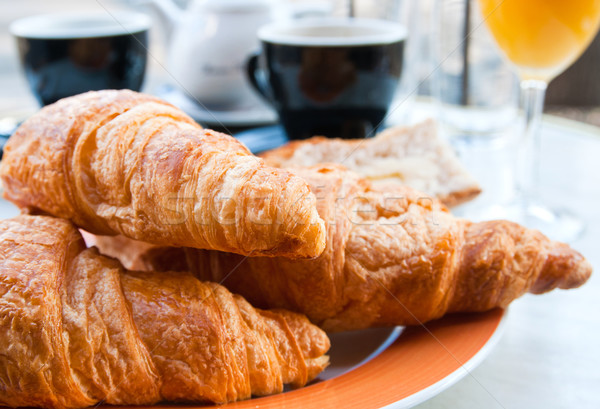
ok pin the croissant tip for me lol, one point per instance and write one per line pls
(579, 276)
(564, 268)
(320, 239)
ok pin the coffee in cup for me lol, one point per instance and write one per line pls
(69, 53)
(334, 77)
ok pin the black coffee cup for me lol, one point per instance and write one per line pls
(69, 53)
(330, 76)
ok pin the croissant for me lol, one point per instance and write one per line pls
(120, 162)
(393, 257)
(77, 329)
(415, 156)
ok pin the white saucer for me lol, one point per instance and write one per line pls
(246, 116)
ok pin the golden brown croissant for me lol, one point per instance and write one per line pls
(392, 258)
(122, 162)
(77, 329)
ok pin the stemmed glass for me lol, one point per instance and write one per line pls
(541, 38)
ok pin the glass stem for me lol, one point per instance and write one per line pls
(528, 163)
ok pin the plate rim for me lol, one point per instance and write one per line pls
(311, 395)
(460, 373)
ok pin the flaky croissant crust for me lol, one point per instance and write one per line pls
(120, 162)
(76, 329)
(393, 257)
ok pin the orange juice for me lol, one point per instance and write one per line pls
(542, 37)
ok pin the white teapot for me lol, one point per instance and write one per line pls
(208, 47)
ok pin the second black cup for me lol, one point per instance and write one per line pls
(332, 77)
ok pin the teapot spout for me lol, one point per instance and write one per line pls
(168, 13)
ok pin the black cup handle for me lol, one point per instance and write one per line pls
(253, 72)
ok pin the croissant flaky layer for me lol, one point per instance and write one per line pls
(393, 257)
(120, 162)
(77, 329)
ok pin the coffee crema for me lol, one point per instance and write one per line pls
(339, 33)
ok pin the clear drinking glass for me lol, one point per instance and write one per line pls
(476, 95)
(474, 86)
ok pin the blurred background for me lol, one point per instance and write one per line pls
(571, 95)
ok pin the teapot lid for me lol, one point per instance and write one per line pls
(236, 6)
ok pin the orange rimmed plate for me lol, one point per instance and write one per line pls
(398, 367)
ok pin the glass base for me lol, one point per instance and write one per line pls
(557, 224)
